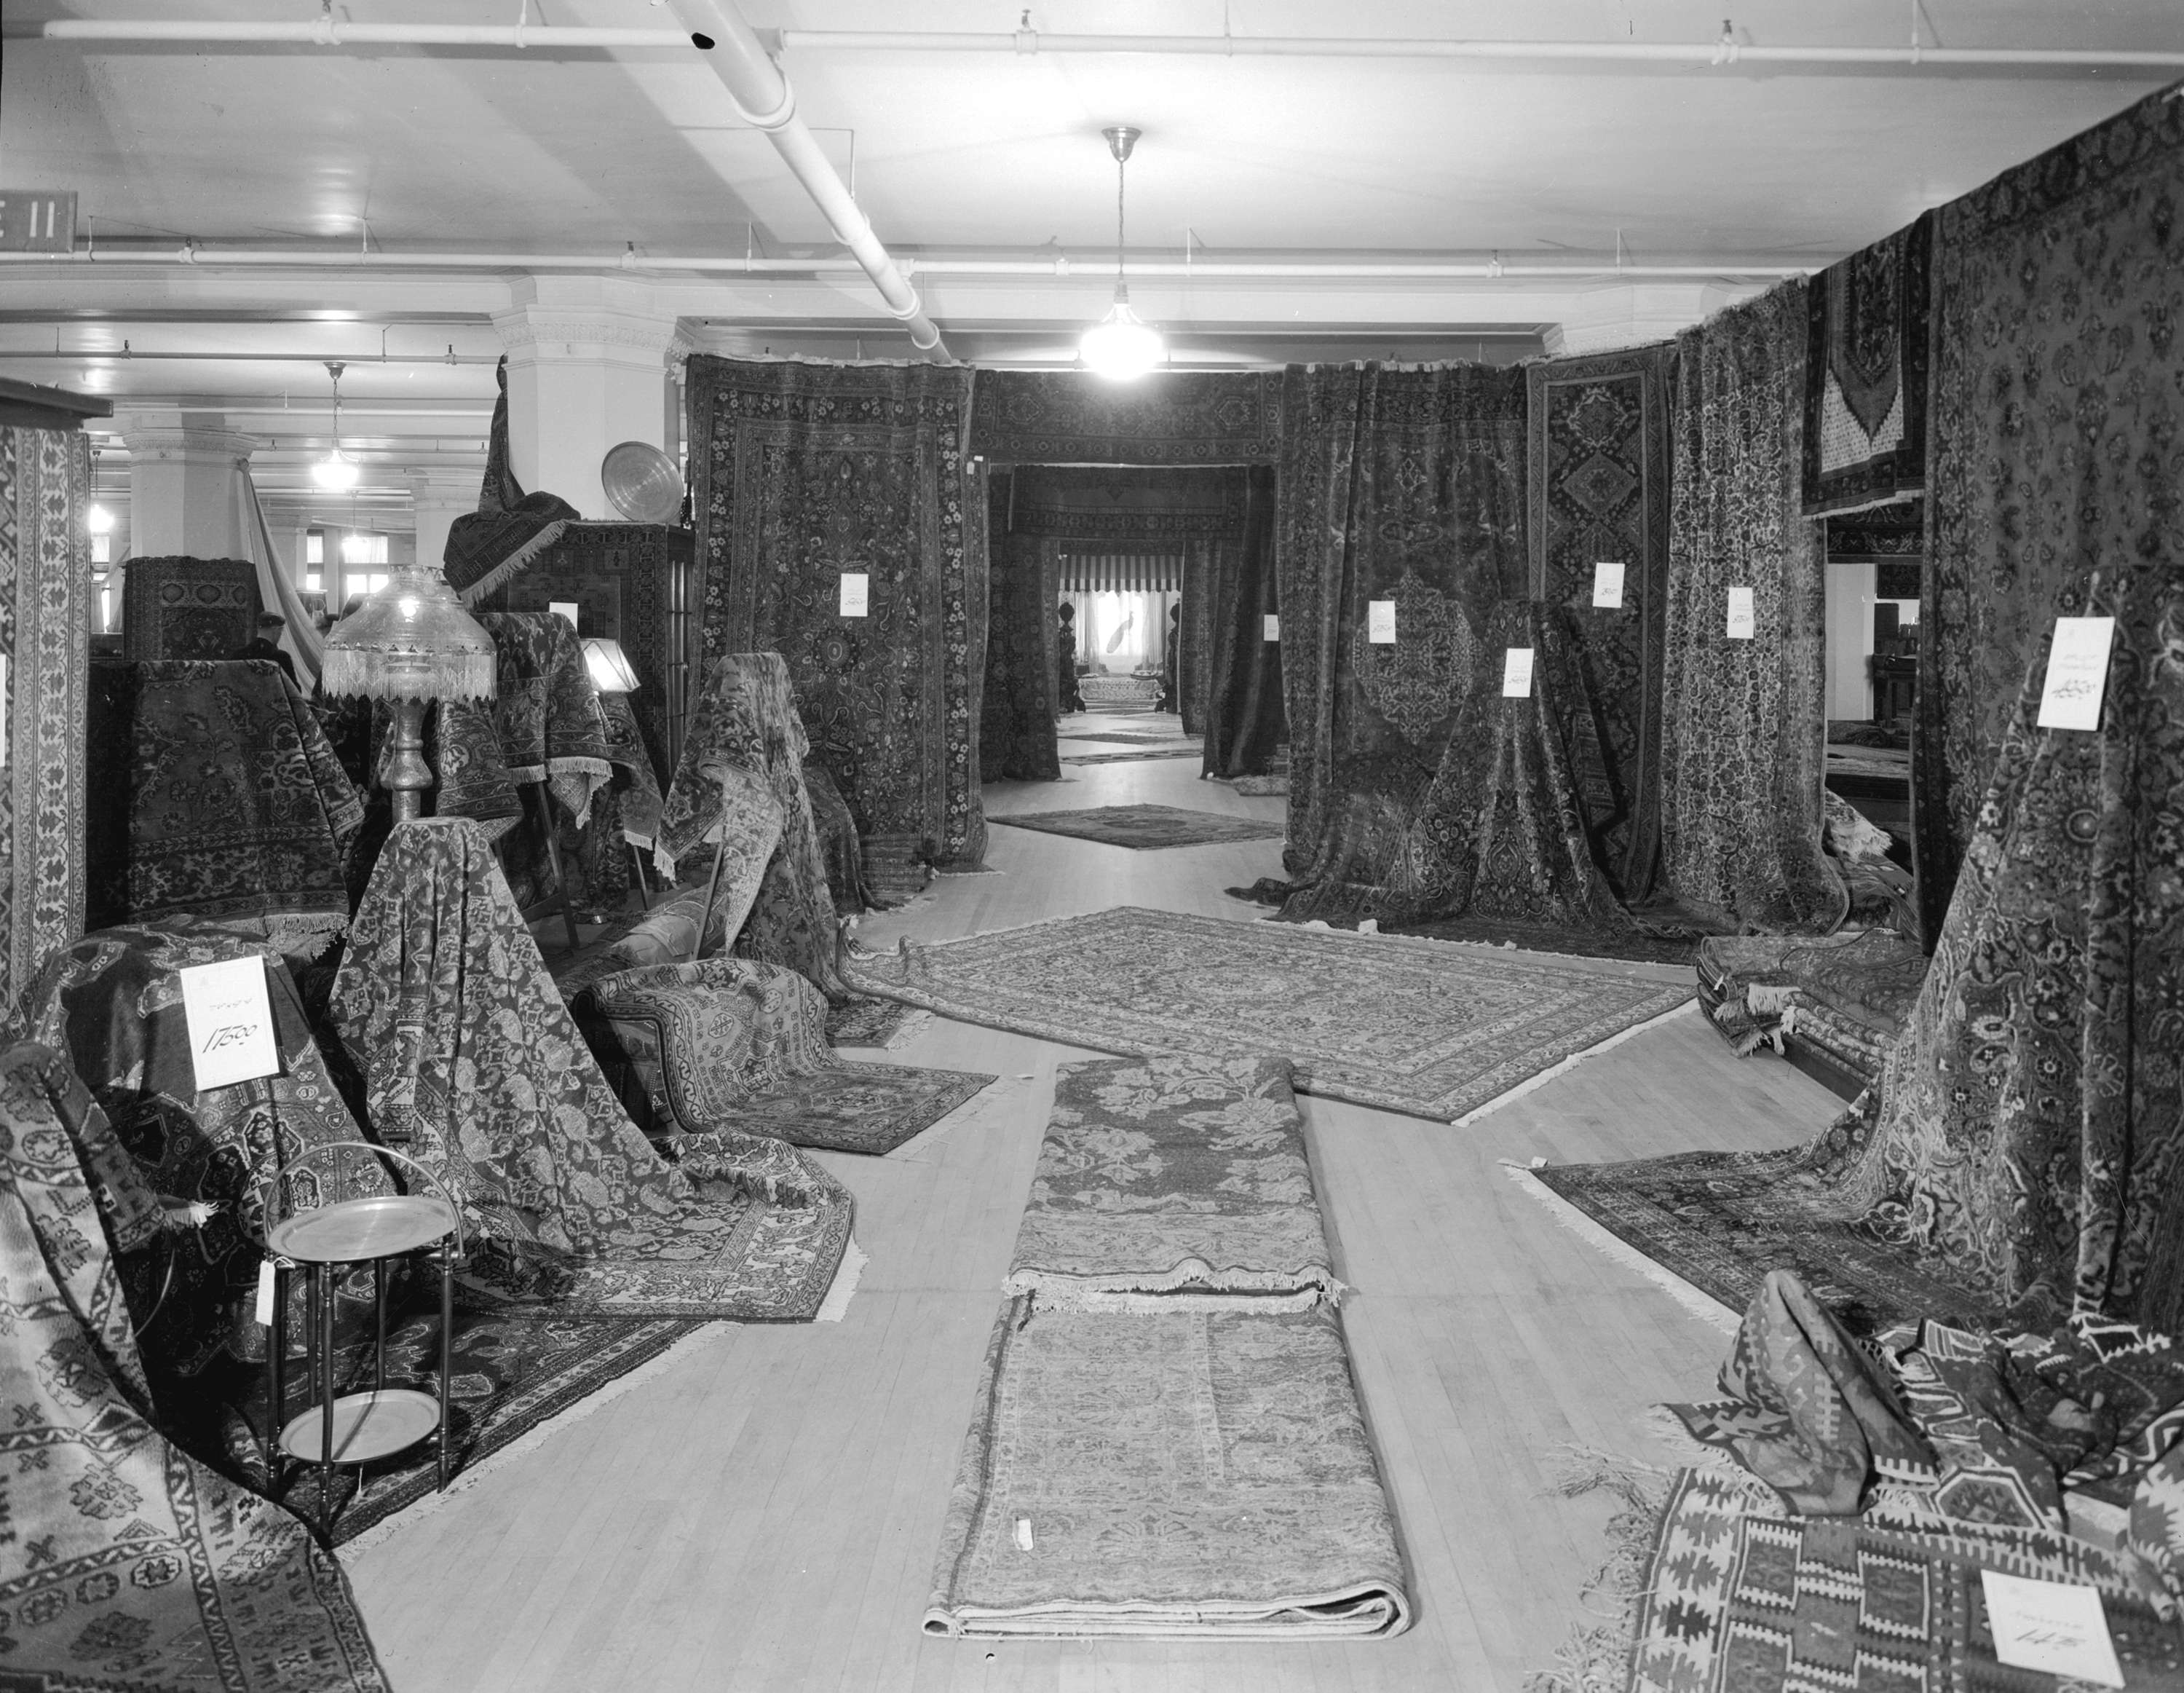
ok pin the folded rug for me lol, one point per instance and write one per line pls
(1409, 1026)
(882, 1023)
(1144, 826)
(1200, 1474)
(1173, 1180)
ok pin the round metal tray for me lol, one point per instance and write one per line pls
(366, 1426)
(644, 485)
(354, 1230)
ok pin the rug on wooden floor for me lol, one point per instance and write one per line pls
(1545, 937)
(1718, 1221)
(859, 1107)
(1195, 1473)
(882, 1023)
(1168, 1176)
(1127, 757)
(1406, 1025)
(1148, 739)
(1145, 827)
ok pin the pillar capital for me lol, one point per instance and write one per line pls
(172, 434)
(185, 496)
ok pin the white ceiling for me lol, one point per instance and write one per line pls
(988, 154)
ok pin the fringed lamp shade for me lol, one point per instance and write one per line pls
(409, 644)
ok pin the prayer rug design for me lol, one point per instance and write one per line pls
(1145, 827)
(1864, 387)
(1193, 1473)
(802, 472)
(1598, 488)
(45, 624)
(137, 1566)
(1168, 1177)
(1408, 1025)
(1171, 418)
(180, 607)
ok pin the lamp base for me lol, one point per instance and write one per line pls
(405, 774)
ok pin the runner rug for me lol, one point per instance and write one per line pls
(1409, 1026)
(1144, 827)
(1127, 757)
(1196, 1472)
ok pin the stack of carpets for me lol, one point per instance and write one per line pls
(1167, 1440)
(1834, 1001)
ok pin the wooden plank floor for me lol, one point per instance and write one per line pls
(762, 1510)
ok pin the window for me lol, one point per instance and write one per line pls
(314, 546)
(314, 582)
(361, 547)
(102, 549)
(361, 582)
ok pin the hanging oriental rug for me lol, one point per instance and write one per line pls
(1145, 826)
(1405, 1025)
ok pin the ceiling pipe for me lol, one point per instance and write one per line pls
(763, 98)
(327, 31)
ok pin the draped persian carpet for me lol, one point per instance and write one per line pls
(180, 607)
(1170, 417)
(1145, 826)
(488, 546)
(1864, 396)
(1023, 692)
(1164, 1176)
(802, 472)
(1195, 1474)
(859, 1107)
(1408, 1025)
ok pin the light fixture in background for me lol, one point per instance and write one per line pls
(1122, 345)
(357, 549)
(612, 670)
(98, 519)
(337, 470)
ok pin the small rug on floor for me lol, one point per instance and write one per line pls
(1263, 787)
(1409, 1026)
(1126, 758)
(1162, 1178)
(1720, 1220)
(1199, 1474)
(1144, 827)
(885, 1024)
(1542, 937)
(857, 1107)
(1152, 740)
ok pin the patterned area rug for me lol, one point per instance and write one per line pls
(1195, 1473)
(1720, 1220)
(1144, 827)
(868, 1108)
(1148, 739)
(885, 1023)
(1408, 1025)
(1541, 937)
(1126, 758)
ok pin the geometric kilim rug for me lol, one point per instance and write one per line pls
(1409, 1026)
(1145, 826)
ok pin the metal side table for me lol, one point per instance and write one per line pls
(357, 1427)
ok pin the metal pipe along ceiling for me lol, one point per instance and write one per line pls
(765, 101)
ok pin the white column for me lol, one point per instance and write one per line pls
(440, 495)
(588, 361)
(184, 493)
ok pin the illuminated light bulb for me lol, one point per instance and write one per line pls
(99, 520)
(335, 472)
(1122, 345)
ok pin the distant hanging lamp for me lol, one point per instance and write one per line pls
(1120, 346)
(337, 472)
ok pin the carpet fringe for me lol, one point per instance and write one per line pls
(470, 1474)
(975, 1109)
(1193, 1283)
(1570, 1062)
(1695, 1300)
(907, 1031)
(836, 1305)
(1595, 1658)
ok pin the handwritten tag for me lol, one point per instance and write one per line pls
(231, 1022)
(265, 1287)
(1380, 621)
(569, 609)
(1023, 1534)
(1741, 619)
(2077, 673)
(1517, 673)
(856, 592)
(1607, 586)
(1271, 628)
(2051, 1625)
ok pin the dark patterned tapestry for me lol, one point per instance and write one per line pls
(1597, 488)
(1017, 711)
(804, 473)
(630, 583)
(2058, 411)
(1745, 731)
(1170, 417)
(1244, 717)
(45, 631)
(2028, 1129)
(1879, 535)
(1405, 485)
(1864, 403)
(510, 528)
(180, 607)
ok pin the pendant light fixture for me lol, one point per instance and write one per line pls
(98, 519)
(337, 470)
(1120, 346)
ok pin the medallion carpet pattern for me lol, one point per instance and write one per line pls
(1865, 374)
(1145, 826)
(1408, 1025)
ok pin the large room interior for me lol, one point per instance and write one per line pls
(1587, 1093)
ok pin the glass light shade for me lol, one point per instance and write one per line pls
(336, 472)
(1122, 345)
(410, 640)
(611, 668)
(99, 520)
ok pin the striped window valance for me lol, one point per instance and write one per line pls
(1121, 573)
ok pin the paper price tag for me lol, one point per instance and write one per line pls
(856, 594)
(1608, 587)
(1517, 673)
(231, 1022)
(1270, 628)
(1741, 619)
(2050, 1625)
(1380, 621)
(569, 609)
(2077, 673)
(265, 1286)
